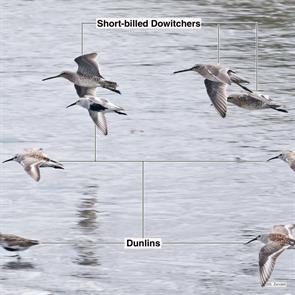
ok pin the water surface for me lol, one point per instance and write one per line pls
(75, 213)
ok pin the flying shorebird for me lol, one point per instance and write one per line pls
(33, 159)
(16, 243)
(87, 77)
(216, 80)
(287, 156)
(97, 107)
(254, 101)
(279, 239)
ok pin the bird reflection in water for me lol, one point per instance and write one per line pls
(88, 225)
(18, 265)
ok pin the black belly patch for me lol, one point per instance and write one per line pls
(97, 107)
(10, 249)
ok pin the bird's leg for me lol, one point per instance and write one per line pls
(17, 255)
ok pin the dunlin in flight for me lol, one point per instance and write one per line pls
(279, 239)
(254, 101)
(87, 77)
(15, 243)
(216, 80)
(288, 157)
(33, 159)
(97, 107)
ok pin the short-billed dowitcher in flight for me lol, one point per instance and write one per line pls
(87, 77)
(15, 243)
(97, 107)
(33, 159)
(216, 80)
(254, 101)
(288, 157)
(279, 239)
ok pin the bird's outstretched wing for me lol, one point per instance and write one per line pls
(87, 65)
(31, 166)
(267, 259)
(292, 161)
(218, 96)
(218, 73)
(284, 229)
(82, 91)
(100, 120)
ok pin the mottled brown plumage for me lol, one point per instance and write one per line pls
(279, 239)
(254, 101)
(33, 159)
(15, 243)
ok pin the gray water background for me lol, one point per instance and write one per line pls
(73, 212)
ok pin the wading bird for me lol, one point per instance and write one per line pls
(15, 243)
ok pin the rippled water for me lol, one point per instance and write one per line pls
(75, 213)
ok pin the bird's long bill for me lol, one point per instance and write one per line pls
(181, 71)
(72, 104)
(8, 160)
(251, 241)
(51, 77)
(273, 158)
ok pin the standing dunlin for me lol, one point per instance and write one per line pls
(15, 243)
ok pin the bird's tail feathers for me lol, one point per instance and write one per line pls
(244, 87)
(236, 79)
(278, 108)
(291, 242)
(110, 85)
(239, 81)
(120, 113)
(52, 164)
(58, 167)
(34, 242)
